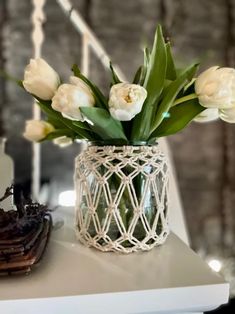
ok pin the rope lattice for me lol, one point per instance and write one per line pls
(122, 197)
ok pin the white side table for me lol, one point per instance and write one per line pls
(73, 279)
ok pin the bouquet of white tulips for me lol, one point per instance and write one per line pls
(160, 101)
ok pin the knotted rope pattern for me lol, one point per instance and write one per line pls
(122, 197)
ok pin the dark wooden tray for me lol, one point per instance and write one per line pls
(20, 255)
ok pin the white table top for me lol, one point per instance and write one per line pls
(75, 279)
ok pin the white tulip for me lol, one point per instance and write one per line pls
(40, 79)
(36, 130)
(207, 115)
(82, 85)
(126, 100)
(227, 115)
(63, 141)
(215, 88)
(69, 97)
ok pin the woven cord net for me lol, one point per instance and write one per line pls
(122, 197)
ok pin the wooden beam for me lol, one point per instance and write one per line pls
(38, 19)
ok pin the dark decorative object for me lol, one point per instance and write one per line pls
(24, 234)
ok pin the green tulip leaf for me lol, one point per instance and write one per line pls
(138, 74)
(145, 66)
(170, 70)
(190, 88)
(58, 133)
(82, 125)
(146, 56)
(172, 91)
(103, 123)
(115, 78)
(55, 122)
(153, 83)
(179, 116)
(52, 114)
(156, 71)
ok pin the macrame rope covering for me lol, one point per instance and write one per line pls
(111, 215)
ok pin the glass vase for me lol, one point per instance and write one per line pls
(122, 197)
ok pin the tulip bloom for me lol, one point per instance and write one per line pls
(126, 100)
(37, 130)
(40, 79)
(215, 88)
(69, 97)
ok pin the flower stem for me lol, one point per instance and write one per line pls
(185, 98)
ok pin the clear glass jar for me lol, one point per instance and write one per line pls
(122, 197)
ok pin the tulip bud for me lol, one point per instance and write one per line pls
(40, 79)
(37, 130)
